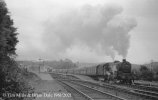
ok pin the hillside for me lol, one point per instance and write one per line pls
(62, 64)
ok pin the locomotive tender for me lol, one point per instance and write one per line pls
(111, 71)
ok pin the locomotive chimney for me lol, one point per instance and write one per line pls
(123, 60)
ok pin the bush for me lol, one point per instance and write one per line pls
(12, 80)
(146, 74)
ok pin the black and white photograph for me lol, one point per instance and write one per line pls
(78, 50)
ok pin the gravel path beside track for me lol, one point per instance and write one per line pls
(50, 89)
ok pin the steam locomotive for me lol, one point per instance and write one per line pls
(112, 72)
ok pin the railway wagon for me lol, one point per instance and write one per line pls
(97, 71)
(82, 71)
(57, 71)
(102, 71)
(60, 71)
(91, 71)
(76, 71)
(70, 71)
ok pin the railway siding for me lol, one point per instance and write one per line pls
(115, 88)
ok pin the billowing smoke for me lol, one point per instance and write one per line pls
(100, 28)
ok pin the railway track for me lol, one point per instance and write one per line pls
(150, 85)
(137, 90)
(75, 93)
(127, 93)
(124, 93)
(89, 93)
(147, 87)
(140, 88)
(83, 92)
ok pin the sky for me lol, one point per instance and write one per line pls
(86, 30)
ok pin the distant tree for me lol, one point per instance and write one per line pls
(143, 68)
(156, 76)
(146, 74)
(136, 74)
(64, 64)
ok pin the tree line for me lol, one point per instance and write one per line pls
(145, 73)
(12, 78)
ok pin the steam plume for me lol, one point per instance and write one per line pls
(101, 28)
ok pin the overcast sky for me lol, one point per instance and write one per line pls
(86, 30)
